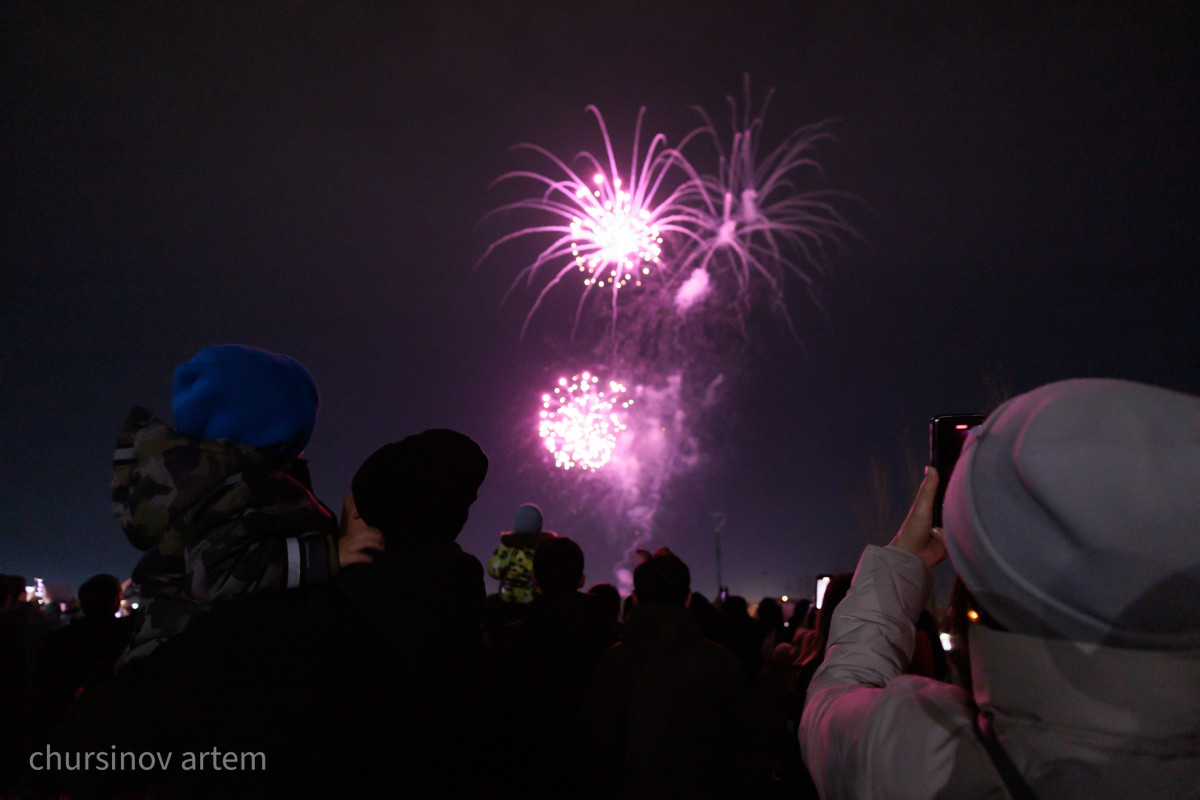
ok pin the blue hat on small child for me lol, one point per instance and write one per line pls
(232, 391)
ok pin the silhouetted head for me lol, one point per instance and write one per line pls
(421, 486)
(770, 612)
(16, 587)
(100, 595)
(736, 607)
(611, 597)
(558, 566)
(663, 579)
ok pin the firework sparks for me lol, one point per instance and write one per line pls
(757, 227)
(615, 238)
(609, 230)
(579, 421)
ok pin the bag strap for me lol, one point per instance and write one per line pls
(1018, 789)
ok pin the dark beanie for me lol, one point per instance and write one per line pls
(232, 391)
(424, 483)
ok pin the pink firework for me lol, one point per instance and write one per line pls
(580, 420)
(608, 231)
(757, 225)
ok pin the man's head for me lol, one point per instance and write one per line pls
(558, 566)
(421, 486)
(610, 596)
(100, 596)
(1073, 513)
(663, 579)
(16, 588)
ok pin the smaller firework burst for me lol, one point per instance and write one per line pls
(579, 421)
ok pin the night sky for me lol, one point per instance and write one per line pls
(313, 179)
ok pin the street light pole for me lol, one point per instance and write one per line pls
(718, 520)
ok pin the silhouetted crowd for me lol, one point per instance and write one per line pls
(284, 651)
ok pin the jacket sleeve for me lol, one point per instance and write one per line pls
(867, 729)
(246, 543)
(497, 565)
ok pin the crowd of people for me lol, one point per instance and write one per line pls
(284, 650)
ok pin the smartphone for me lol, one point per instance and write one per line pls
(822, 585)
(947, 433)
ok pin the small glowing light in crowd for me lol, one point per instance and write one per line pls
(945, 637)
(973, 615)
(37, 592)
(961, 427)
(785, 598)
(579, 422)
(134, 606)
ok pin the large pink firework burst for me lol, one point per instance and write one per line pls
(607, 229)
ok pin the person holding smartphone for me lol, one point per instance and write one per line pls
(1073, 519)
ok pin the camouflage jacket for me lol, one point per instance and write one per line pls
(216, 520)
(512, 563)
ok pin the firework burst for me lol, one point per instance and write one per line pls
(756, 225)
(580, 420)
(607, 230)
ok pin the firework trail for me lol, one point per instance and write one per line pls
(756, 225)
(605, 228)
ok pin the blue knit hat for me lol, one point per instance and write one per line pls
(262, 399)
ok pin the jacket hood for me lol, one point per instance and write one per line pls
(161, 477)
(1137, 700)
(525, 539)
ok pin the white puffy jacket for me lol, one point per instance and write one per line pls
(1078, 720)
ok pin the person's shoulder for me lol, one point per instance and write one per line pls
(719, 657)
(259, 620)
(928, 726)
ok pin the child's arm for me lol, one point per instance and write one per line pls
(497, 565)
(259, 536)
